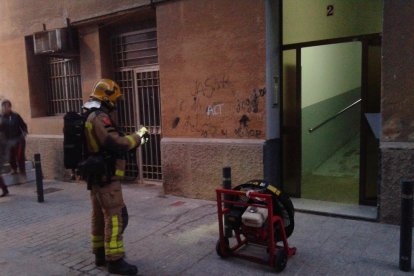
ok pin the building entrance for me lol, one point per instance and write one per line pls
(331, 91)
(330, 115)
(136, 71)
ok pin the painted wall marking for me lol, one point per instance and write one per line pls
(214, 110)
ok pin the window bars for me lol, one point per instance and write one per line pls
(64, 86)
(135, 49)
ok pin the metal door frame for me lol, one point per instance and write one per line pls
(298, 47)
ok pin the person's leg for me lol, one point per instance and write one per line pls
(98, 230)
(3, 187)
(20, 156)
(115, 217)
(13, 158)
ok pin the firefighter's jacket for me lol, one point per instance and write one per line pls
(102, 135)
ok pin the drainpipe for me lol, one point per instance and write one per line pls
(272, 150)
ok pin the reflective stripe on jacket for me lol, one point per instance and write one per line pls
(101, 134)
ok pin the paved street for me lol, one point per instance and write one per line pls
(169, 235)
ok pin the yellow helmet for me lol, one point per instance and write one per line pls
(107, 91)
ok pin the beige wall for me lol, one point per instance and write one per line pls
(212, 72)
(50, 148)
(212, 68)
(307, 20)
(21, 18)
(90, 58)
(24, 17)
(193, 167)
(13, 75)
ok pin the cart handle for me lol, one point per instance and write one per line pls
(266, 198)
(239, 193)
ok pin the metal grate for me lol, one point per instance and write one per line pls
(134, 55)
(64, 86)
(127, 117)
(135, 49)
(150, 116)
(141, 106)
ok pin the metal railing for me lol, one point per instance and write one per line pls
(334, 116)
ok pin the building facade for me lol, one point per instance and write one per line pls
(200, 74)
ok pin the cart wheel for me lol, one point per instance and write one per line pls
(226, 252)
(286, 210)
(280, 260)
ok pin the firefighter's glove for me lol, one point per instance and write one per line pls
(144, 134)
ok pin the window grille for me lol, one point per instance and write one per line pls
(135, 49)
(64, 86)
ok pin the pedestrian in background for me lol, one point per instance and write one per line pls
(14, 129)
(3, 156)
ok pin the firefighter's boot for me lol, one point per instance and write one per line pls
(121, 267)
(100, 257)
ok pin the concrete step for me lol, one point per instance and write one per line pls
(14, 179)
(6, 168)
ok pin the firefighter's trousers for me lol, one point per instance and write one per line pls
(109, 220)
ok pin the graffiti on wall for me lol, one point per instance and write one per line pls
(251, 104)
(191, 124)
(210, 85)
(214, 109)
(244, 130)
(207, 117)
(207, 88)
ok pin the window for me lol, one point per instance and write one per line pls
(64, 86)
(135, 48)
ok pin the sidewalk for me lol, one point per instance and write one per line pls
(169, 235)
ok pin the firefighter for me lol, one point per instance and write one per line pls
(106, 147)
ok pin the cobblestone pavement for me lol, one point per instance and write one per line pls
(169, 235)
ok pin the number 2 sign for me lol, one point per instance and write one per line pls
(330, 10)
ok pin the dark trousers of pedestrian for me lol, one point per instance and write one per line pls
(17, 157)
(3, 187)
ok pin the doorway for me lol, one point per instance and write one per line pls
(329, 150)
(330, 115)
(137, 72)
